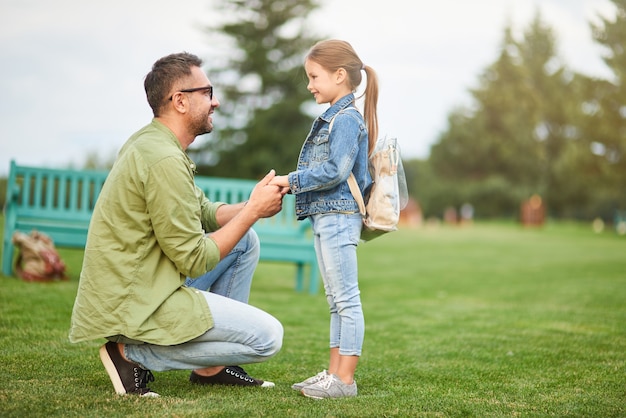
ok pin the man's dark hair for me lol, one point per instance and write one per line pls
(166, 72)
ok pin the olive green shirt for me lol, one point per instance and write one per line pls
(147, 234)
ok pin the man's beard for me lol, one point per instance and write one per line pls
(201, 125)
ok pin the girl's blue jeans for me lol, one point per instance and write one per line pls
(241, 333)
(336, 236)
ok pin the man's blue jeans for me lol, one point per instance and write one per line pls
(241, 334)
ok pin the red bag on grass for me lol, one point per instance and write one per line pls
(37, 259)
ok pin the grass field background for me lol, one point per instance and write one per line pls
(487, 320)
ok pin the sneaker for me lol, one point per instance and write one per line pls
(330, 387)
(230, 375)
(127, 377)
(311, 380)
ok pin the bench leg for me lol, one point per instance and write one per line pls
(314, 275)
(299, 277)
(7, 257)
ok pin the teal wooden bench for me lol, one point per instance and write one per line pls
(59, 203)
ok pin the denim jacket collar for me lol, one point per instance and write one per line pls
(339, 105)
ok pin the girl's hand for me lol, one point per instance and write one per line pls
(282, 181)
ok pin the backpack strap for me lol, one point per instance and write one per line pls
(354, 187)
(356, 193)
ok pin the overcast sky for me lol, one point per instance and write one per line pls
(71, 79)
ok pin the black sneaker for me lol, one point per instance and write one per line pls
(127, 377)
(230, 375)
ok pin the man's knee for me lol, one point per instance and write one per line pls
(274, 340)
(252, 243)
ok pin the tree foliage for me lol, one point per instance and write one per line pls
(524, 133)
(605, 127)
(261, 86)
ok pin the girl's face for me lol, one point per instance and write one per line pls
(326, 86)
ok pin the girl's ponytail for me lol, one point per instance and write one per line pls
(370, 106)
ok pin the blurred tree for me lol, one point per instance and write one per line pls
(606, 111)
(98, 161)
(3, 192)
(504, 148)
(261, 86)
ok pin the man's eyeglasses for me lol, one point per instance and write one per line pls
(209, 88)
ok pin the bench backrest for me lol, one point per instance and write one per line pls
(66, 198)
(64, 195)
(56, 202)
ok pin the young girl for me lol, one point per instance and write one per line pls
(328, 156)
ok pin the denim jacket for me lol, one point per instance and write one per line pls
(326, 160)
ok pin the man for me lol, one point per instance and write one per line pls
(151, 231)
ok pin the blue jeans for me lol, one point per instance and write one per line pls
(241, 333)
(336, 236)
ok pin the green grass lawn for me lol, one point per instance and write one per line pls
(490, 320)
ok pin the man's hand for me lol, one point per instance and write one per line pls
(266, 199)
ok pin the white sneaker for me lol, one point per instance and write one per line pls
(311, 380)
(330, 387)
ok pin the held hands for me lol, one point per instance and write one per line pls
(282, 181)
(266, 198)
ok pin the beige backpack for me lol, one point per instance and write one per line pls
(388, 194)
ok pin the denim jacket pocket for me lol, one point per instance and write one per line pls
(321, 147)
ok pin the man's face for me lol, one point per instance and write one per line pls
(202, 103)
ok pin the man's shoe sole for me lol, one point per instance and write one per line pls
(109, 366)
